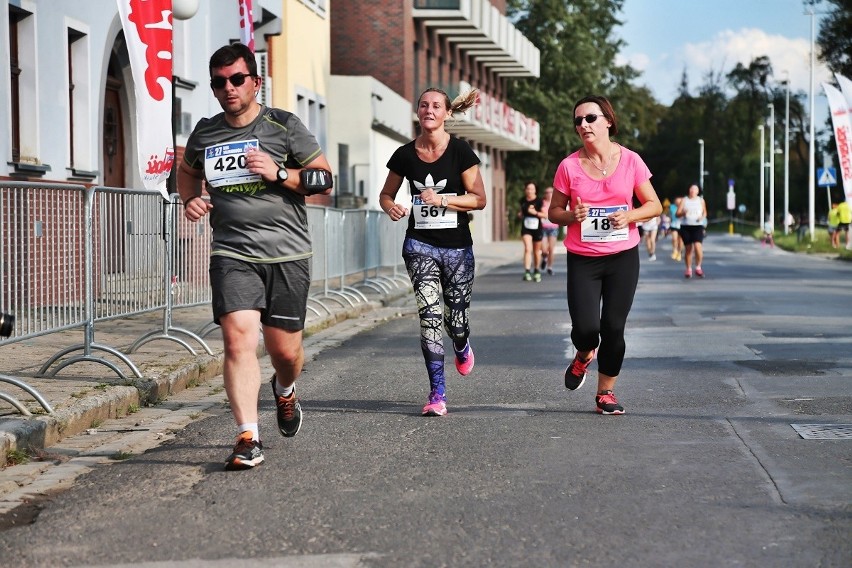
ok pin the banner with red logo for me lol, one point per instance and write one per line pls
(840, 120)
(246, 24)
(846, 89)
(147, 26)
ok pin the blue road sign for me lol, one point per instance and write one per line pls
(826, 177)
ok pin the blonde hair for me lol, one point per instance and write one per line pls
(461, 103)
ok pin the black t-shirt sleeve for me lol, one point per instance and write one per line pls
(466, 157)
(399, 162)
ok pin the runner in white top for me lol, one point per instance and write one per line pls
(692, 212)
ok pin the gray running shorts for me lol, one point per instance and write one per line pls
(279, 291)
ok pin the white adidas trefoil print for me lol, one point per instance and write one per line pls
(429, 183)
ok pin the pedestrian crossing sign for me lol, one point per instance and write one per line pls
(826, 177)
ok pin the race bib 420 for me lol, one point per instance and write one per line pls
(225, 164)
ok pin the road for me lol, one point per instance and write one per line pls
(705, 469)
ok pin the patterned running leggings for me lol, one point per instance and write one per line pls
(431, 270)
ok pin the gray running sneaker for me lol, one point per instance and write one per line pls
(288, 412)
(247, 453)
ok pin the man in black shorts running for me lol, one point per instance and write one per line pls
(258, 163)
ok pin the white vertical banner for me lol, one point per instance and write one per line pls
(246, 24)
(846, 89)
(147, 26)
(842, 123)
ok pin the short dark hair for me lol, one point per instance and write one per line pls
(228, 54)
(606, 109)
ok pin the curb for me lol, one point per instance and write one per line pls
(37, 433)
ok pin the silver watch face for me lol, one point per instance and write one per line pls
(282, 174)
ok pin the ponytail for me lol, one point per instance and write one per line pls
(465, 101)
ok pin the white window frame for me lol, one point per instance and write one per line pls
(312, 110)
(83, 158)
(28, 119)
(317, 6)
(264, 95)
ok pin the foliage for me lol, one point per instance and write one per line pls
(835, 49)
(820, 245)
(17, 457)
(578, 55)
(834, 38)
(728, 127)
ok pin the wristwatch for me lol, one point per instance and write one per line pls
(444, 201)
(282, 175)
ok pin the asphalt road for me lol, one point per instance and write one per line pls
(705, 469)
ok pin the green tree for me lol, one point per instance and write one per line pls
(835, 38)
(578, 53)
(835, 49)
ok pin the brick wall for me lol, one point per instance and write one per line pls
(374, 37)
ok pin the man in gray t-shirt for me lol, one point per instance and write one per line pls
(253, 159)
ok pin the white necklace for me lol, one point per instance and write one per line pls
(605, 165)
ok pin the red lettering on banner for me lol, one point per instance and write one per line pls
(153, 21)
(845, 160)
(478, 109)
(157, 166)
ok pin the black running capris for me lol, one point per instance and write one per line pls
(600, 295)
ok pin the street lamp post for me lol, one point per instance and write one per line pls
(701, 164)
(811, 148)
(787, 158)
(771, 167)
(762, 181)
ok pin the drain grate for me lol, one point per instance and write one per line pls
(824, 431)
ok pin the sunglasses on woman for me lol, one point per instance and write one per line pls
(590, 118)
(237, 79)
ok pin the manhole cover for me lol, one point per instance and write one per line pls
(824, 431)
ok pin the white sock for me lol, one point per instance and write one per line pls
(249, 427)
(283, 391)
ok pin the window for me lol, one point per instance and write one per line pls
(264, 95)
(310, 108)
(24, 96)
(78, 101)
(15, 95)
(317, 6)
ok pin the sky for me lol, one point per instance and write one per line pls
(664, 37)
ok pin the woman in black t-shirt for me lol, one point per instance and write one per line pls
(531, 215)
(445, 183)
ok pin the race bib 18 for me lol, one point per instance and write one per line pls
(598, 228)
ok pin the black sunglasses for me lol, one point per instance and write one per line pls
(237, 79)
(590, 118)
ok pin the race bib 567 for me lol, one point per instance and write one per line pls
(433, 216)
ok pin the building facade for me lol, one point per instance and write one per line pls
(66, 89)
(352, 70)
(398, 48)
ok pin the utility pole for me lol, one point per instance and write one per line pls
(787, 158)
(771, 167)
(762, 216)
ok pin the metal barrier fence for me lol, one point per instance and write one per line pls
(74, 256)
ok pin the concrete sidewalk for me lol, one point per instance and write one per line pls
(83, 395)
